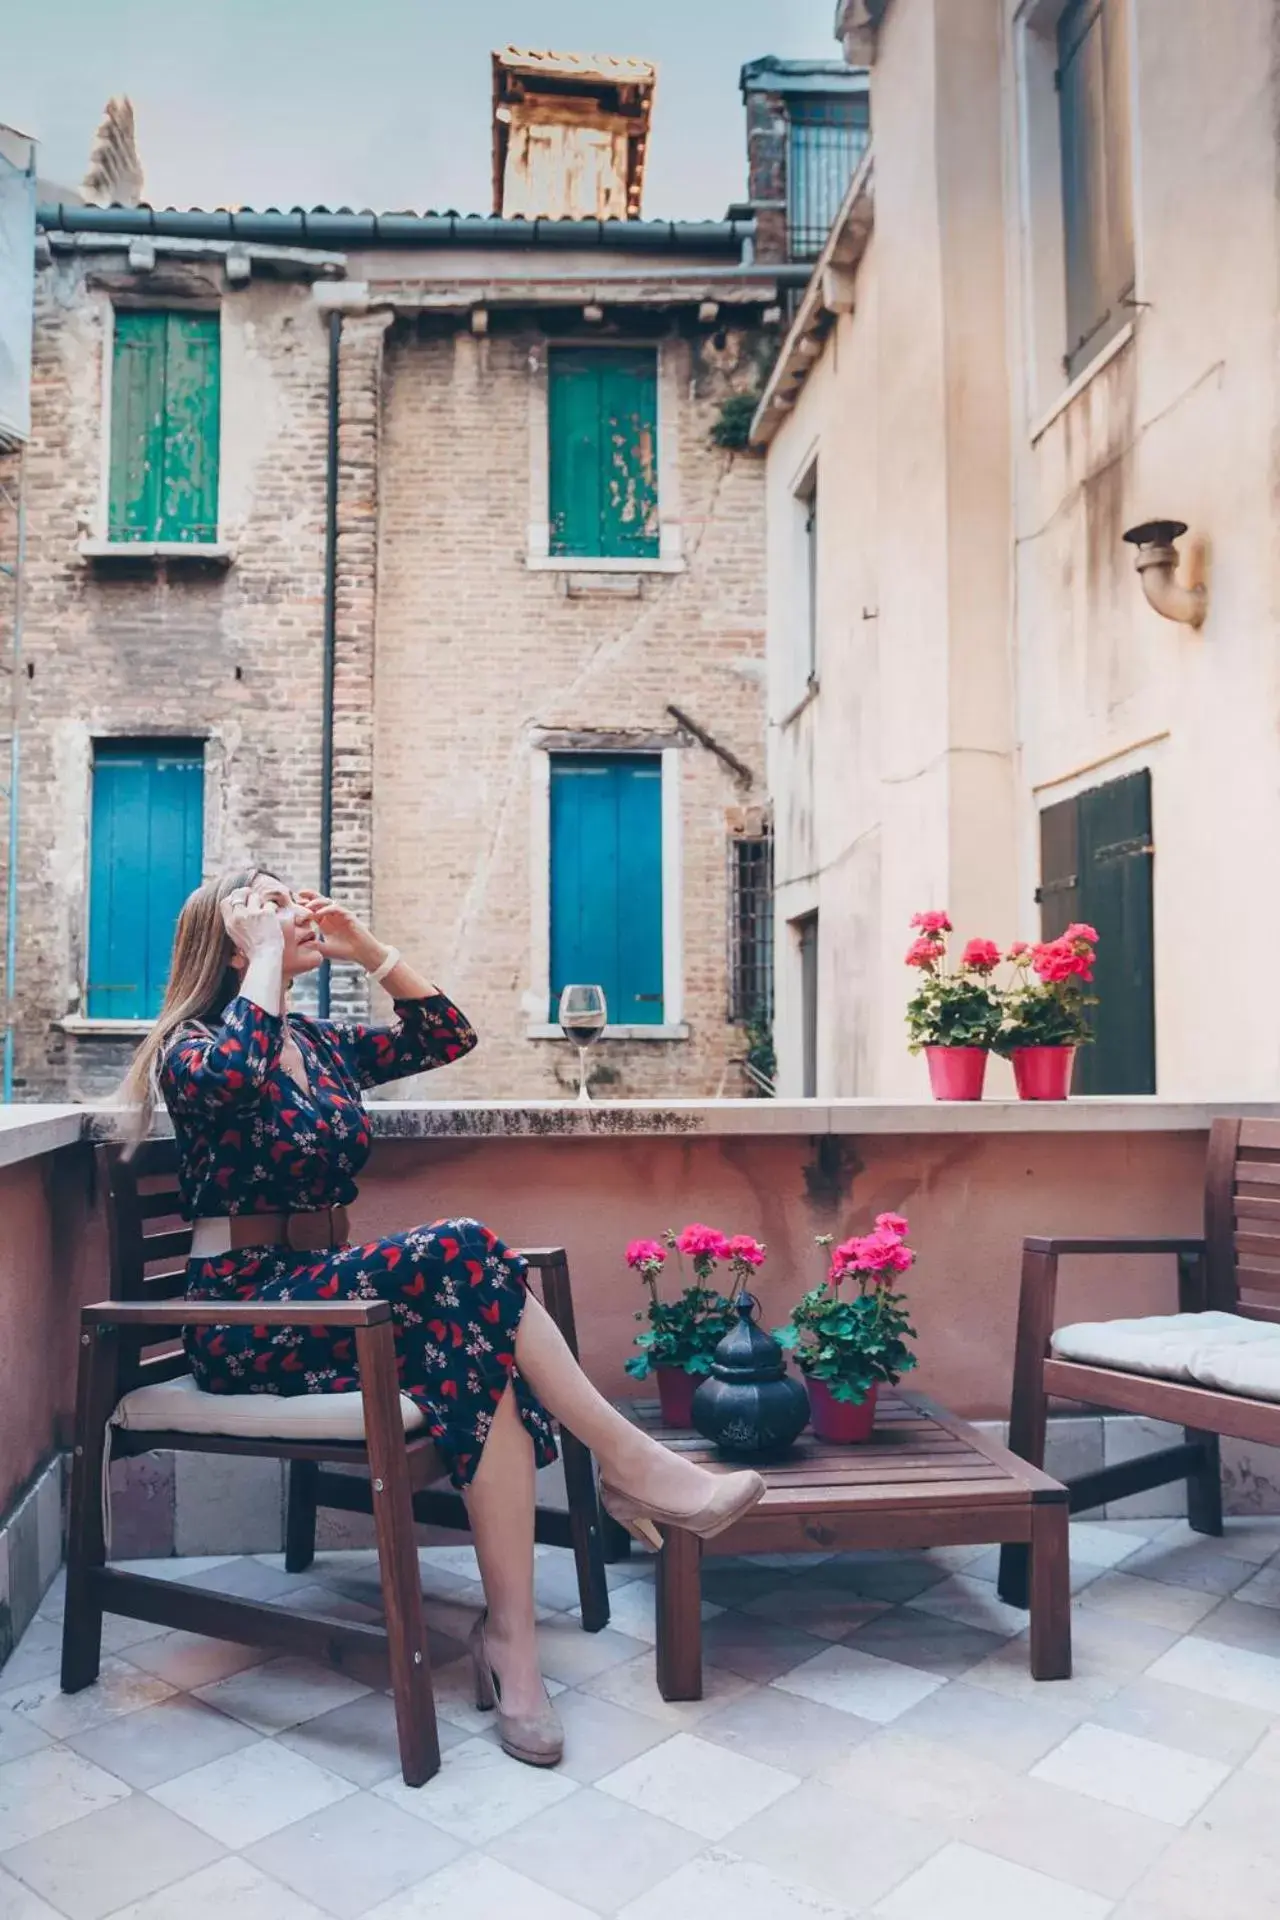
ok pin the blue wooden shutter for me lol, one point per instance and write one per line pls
(606, 882)
(603, 450)
(145, 858)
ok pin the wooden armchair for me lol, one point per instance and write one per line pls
(1166, 1369)
(136, 1394)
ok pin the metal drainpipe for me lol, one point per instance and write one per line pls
(330, 637)
(11, 890)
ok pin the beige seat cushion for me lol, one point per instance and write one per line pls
(1252, 1369)
(1163, 1346)
(180, 1406)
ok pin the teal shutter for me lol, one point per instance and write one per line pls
(606, 882)
(146, 848)
(603, 423)
(165, 403)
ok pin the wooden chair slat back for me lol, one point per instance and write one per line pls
(149, 1240)
(1242, 1214)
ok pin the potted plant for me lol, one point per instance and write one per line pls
(1045, 1011)
(847, 1343)
(682, 1333)
(954, 1015)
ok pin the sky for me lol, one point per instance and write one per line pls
(380, 103)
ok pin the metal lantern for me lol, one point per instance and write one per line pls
(750, 1405)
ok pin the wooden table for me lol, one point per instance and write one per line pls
(925, 1479)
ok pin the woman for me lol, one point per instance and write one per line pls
(271, 1133)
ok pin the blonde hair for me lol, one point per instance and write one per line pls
(201, 982)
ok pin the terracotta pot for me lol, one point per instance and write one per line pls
(1043, 1073)
(840, 1420)
(956, 1073)
(676, 1389)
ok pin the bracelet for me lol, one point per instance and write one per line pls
(379, 974)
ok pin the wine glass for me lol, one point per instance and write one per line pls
(583, 1014)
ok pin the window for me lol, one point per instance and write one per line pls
(807, 942)
(805, 600)
(751, 928)
(164, 428)
(146, 842)
(606, 881)
(603, 415)
(1096, 857)
(1097, 196)
(827, 138)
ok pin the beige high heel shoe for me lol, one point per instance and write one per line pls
(535, 1738)
(733, 1495)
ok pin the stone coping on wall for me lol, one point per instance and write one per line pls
(28, 1131)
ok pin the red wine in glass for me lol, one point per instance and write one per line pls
(583, 1014)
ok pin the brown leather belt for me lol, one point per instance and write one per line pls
(311, 1232)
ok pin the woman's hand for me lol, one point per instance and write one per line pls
(345, 936)
(253, 924)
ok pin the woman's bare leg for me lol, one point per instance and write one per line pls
(627, 1458)
(500, 1503)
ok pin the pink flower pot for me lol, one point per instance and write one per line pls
(840, 1420)
(676, 1389)
(956, 1073)
(1043, 1073)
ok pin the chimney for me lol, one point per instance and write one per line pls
(569, 134)
(115, 171)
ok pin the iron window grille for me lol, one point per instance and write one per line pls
(828, 137)
(751, 928)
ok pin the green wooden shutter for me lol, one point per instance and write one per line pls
(145, 858)
(165, 403)
(603, 452)
(606, 882)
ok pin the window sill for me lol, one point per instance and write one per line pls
(1102, 359)
(677, 1031)
(206, 552)
(588, 563)
(84, 1028)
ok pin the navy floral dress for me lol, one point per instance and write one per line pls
(251, 1140)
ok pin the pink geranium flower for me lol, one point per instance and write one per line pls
(645, 1253)
(702, 1243)
(933, 922)
(892, 1223)
(981, 956)
(743, 1248)
(924, 953)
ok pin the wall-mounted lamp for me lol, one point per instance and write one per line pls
(1157, 563)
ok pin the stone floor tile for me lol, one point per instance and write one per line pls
(231, 1886)
(945, 1647)
(192, 1566)
(631, 1611)
(121, 1853)
(1105, 1543)
(322, 1601)
(1107, 1651)
(1264, 1588)
(54, 1597)
(1154, 1601)
(19, 1903)
(118, 1689)
(988, 1726)
(1253, 1537)
(635, 1685)
(599, 1737)
(893, 1577)
(1198, 1562)
(1203, 1874)
(962, 1883)
(354, 1855)
(50, 1789)
(829, 1840)
(1104, 1849)
(163, 1741)
(281, 1694)
(1237, 1674)
(1081, 1572)
(1238, 1624)
(478, 1888)
(735, 1583)
(974, 1603)
(191, 1660)
(829, 1612)
(1164, 1783)
(555, 1580)
(479, 1793)
(38, 1653)
(19, 1736)
(898, 1773)
(454, 1686)
(569, 1655)
(1243, 1814)
(719, 1885)
(245, 1796)
(120, 1634)
(698, 1785)
(756, 1648)
(358, 1742)
(785, 1730)
(597, 1850)
(859, 1683)
(1177, 1717)
(247, 1579)
(954, 1559)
